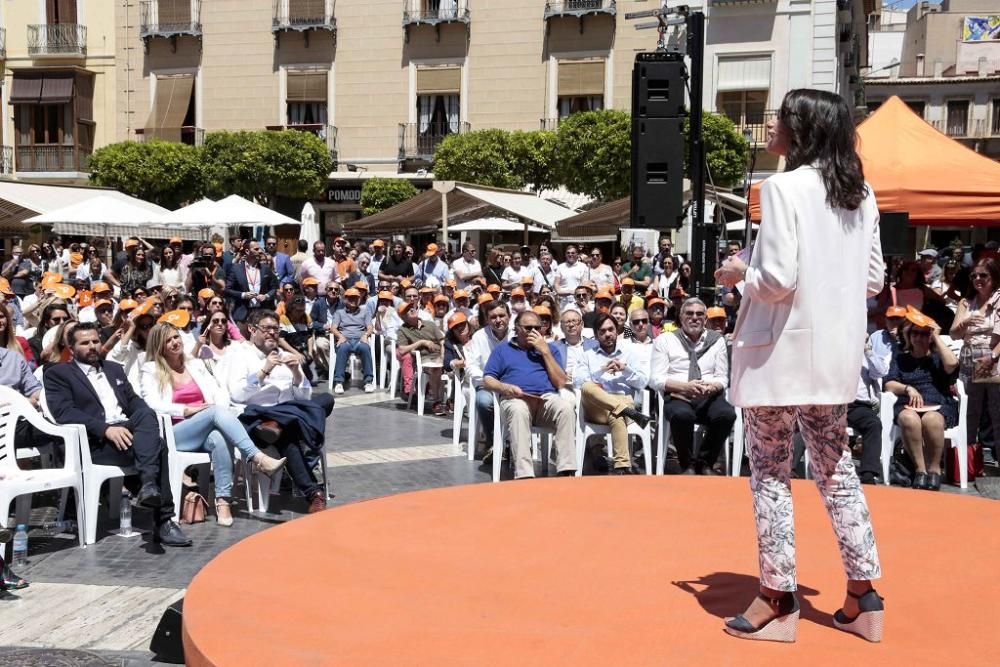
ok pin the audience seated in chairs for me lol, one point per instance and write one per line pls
(922, 376)
(691, 367)
(495, 331)
(608, 378)
(280, 407)
(176, 385)
(352, 327)
(527, 373)
(419, 335)
(121, 428)
(130, 350)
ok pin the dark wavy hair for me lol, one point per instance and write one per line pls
(821, 132)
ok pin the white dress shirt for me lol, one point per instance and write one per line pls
(477, 353)
(591, 369)
(240, 367)
(671, 361)
(113, 413)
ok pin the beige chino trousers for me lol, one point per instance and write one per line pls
(549, 411)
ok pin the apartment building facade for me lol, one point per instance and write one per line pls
(942, 71)
(384, 81)
(59, 92)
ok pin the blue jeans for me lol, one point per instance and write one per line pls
(484, 410)
(344, 351)
(216, 430)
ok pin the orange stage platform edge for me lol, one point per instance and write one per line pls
(587, 571)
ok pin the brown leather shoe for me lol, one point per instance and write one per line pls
(317, 502)
(268, 432)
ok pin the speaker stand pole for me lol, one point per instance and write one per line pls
(704, 235)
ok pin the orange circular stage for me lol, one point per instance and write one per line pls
(587, 571)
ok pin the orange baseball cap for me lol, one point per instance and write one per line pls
(542, 311)
(427, 290)
(714, 312)
(441, 298)
(100, 287)
(405, 282)
(605, 294)
(361, 285)
(103, 302)
(64, 291)
(432, 249)
(5, 287)
(914, 316)
(460, 294)
(385, 295)
(494, 289)
(75, 258)
(206, 293)
(350, 291)
(175, 239)
(54, 276)
(405, 306)
(586, 284)
(656, 302)
(484, 298)
(179, 318)
(456, 319)
(628, 281)
(527, 280)
(142, 309)
(450, 283)
(128, 304)
(895, 311)
(517, 291)
(309, 281)
(131, 243)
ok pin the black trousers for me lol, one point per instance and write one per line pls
(714, 413)
(865, 421)
(302, 456)
(148, 454)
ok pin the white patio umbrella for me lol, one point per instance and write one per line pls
(235, 210)
(310, 228)
(495, 225)
(106, 215)
(198, 214)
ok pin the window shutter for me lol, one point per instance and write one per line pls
(439, 80)
(306, 87)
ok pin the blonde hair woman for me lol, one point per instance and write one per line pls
(183, 388)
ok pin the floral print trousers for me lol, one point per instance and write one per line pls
(769, 432)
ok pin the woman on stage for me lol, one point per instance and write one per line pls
(797, 351)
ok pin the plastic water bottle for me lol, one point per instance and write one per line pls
(125, 515)
(21, 546)
(60, 527)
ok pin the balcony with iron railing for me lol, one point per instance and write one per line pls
(57, 39)
(52, 158)
(753, 125)
(3, 43)
(419, 141)
(975, 128)
(435, 13)
(169, 18)
(6, 160)
(579, 7)
(190, 135)
(328, 133)
(303, 16)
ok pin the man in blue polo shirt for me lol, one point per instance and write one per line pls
(527, 372)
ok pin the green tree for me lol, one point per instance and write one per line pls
(264, 164)
(378, 194)
(593, 153)
(162, 172)
(533, 158)
(726, 150)
(482, 157)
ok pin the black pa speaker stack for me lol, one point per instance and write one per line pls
(658, 141)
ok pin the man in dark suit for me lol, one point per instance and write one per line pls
(250, 285)
(121, 428)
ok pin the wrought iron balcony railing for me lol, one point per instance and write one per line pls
(57, 39)
(579, 7)
(3, 42)
(6, 160)
(190, 135)
(419, 141)
(435, 11)
(169, 18)
(302, 15)
(963, 128)
(52, 158)
(327, 133)
(753, 125)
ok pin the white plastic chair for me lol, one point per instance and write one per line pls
(181, 461)
(585, 429)
(353, 363)
(733, 440)
(469, 405)
(421, 379)
(271, 486)
(540, 441)
(20, 483)
(396, 370)
(94, 476)
(956, 435)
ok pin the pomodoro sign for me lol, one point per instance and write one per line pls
(344, 195)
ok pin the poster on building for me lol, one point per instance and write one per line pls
(981, 29)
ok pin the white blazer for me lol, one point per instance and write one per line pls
(160, 399)
(800, 335)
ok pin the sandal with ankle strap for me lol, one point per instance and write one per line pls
(781, 628)
(868, 623)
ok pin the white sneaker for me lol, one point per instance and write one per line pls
(338, 388)
(369, 388)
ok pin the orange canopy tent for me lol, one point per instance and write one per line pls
(920, 171)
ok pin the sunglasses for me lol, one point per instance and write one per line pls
(643, 321)
(217, 321)
(531, 327)
(58, 320)
(215, 302)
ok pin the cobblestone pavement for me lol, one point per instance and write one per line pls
(106, 599)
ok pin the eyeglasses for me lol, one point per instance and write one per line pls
(581, 295)
(690, 313)
(595, 254)
(59, 320)
(273, 329)
(643, 321)
(531, 327)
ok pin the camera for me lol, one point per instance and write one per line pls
(198, 263)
